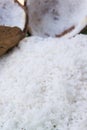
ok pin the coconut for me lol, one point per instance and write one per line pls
(12, 24)
(12, 14)
(57, 18)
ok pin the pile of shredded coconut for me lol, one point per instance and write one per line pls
(43, 85)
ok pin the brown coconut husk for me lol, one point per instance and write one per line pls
(9, 37)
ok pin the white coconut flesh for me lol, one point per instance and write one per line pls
(11, 14)
(57, 17)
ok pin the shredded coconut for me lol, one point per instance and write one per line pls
(43, 85)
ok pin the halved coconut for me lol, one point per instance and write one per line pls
(57, 17)
(12, 14)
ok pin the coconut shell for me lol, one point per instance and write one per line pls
(9, 37)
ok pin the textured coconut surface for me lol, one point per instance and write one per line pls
(43, 85)
(11, 14)
(9, 37)
(57, 17)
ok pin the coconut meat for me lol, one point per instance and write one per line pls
(56, 17)
(11, 14)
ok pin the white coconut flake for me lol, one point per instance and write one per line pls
(11, 14)
(57, 17)
(43, 85)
